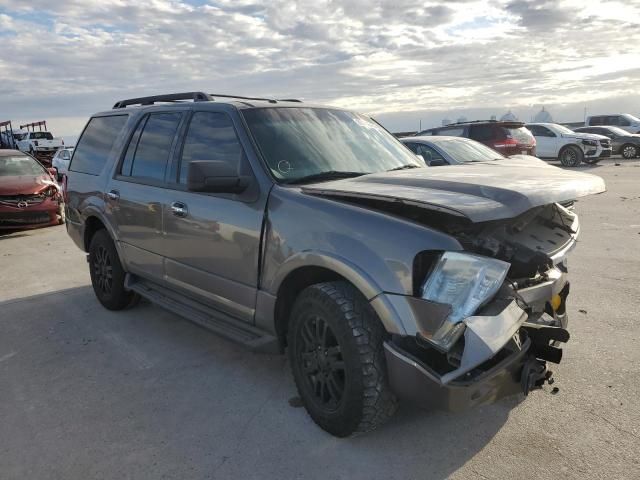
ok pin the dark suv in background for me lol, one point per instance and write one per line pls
(508, 138)
(282, 225)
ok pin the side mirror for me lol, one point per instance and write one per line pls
(215, 177)
(437, 162)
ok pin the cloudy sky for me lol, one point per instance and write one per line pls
(402, 61)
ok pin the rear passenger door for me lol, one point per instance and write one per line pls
(135, 195)
(212, 240)
(546, 141)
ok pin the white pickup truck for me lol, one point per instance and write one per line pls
(555, 141)
(38, 142)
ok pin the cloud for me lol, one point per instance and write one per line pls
(70, 58)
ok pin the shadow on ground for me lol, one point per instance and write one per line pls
(145, 394)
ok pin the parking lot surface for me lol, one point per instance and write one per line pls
(144, 394)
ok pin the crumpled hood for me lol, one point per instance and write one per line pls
(24, 184)
(478, 191)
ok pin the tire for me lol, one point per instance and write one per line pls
(345, 391)
(629, 151)
(571, 156)
(107, 274)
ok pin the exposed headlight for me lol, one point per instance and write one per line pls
(465, 282)
(592, 143)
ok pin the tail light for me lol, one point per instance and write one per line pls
(507, 142)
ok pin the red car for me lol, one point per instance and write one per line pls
(507, 137)
(29, 194)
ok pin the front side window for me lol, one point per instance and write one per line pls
(150, 146)
(304, 142)
(211, 136)
(96, 142)
(429, 154)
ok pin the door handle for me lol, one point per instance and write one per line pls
(113, 195)
(179, 209)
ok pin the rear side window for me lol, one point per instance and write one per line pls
(522, 135)
(211, 136)
(95, 144)
(454, 132)
(613, 120)
(482, 133)
(596, 121)
(150, 146)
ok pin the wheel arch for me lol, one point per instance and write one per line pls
(318, 268)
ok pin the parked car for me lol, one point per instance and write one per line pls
(282, 225)
(622, 142)
(61, 161)
(437, 150)
(625, 121)
(38, 142)
(29, 195)
(508, 138)
(555, 141)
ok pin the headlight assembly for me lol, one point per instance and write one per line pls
(465, 282)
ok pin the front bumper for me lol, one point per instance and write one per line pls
(504, 352)
(412, 380)
(42, 215)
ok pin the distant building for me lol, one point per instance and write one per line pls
(543, 117)
(446, 121)
(461, 119)
(509, 117)
(493, 117)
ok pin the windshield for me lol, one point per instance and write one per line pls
(300, 142)
(15, 166)
(41, 136)
(631, 118)
(468, 150)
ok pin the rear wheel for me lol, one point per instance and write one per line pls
(337, 358)
(629, 151)
(571, 156)
(107, 274)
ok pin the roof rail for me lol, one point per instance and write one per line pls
(270, 100)
(171, 97)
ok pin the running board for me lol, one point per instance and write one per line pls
(218, 322)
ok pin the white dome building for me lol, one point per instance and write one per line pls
(509, 117)
(543, 117)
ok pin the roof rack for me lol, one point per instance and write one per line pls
(171, 97)
(195, 96)
(482, 121)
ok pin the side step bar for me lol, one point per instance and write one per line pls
(218, 322)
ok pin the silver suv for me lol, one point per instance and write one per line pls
(312, 230)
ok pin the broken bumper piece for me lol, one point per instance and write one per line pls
(502, 355)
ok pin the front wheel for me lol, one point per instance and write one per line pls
(107, 274)
(571, 156)
(629, 151)
(337, 357)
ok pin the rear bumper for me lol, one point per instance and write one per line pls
(411, 380)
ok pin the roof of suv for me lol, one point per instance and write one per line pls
(500, 123)
(238, 101)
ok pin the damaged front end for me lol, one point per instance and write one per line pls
(489, 318)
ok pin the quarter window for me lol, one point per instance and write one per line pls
(95, 144)
(211, 136)
(150, 146)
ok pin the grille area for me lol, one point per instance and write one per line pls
(605, 143)
(20, 219)
(14, 200)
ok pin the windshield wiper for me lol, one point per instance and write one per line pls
(404, 167)
(323, 176)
